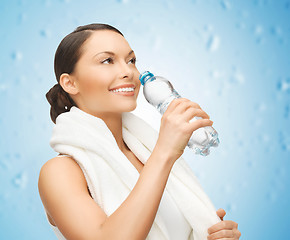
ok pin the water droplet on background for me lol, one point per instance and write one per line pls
(45, 33)
(271, 196)
(240, 25)
(213, 43)
(251, 163)
(283, 85)
(276, 30)
(225, 4)
(123, 1)
(230, 207)
(208, 28)
(284, 141)
(16, 56)
(286, 111)
(227, 189)
(237, 78)
(20, 180)
(3, 87)
(22, 17)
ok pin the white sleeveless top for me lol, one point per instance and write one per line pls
(176, 224)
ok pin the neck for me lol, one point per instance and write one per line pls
(114, 123)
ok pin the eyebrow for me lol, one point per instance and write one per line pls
(111, 53)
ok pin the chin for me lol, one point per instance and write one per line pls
(128, 108)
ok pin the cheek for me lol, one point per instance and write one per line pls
(93, 86)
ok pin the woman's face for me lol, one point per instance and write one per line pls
(97, 72)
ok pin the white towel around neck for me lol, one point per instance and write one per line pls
(111, 176)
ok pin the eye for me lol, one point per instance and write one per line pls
(133, 60)
(108, 59)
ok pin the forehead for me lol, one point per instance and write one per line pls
(106, 40)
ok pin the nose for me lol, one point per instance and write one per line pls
(126, 71)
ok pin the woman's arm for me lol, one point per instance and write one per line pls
(63, 190)
(64, 193)
(134, 218)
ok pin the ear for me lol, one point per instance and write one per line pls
(68, 84)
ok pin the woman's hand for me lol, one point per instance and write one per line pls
(176, 128)
(224, 229)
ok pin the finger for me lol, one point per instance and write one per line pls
(237, 233)
(190, 113)
(199, 123)
(225, 233)
(226, 224)
(172, 105)
(182, 106)
(221, 213)
(195, 105)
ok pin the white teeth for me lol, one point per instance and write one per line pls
(123, 90)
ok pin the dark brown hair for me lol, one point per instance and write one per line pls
(65, 59)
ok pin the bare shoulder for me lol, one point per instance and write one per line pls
(61, 167)
(61, 170)
(63, 191)
(59, 174)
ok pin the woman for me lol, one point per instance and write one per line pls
(89, 64)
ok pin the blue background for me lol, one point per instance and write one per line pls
(231, 57)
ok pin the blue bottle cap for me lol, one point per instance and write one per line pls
(145, 76)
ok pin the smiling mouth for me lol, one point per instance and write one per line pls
(124, 91)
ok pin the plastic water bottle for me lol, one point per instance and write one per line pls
(159, 92)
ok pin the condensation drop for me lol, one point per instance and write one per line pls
(260, 40)
(45, 33)
(241, 25)
(3, 87)
(17, 56)
(237, 77)
(281, 172)
(4, 197)
(245, 13)
(4, 164)
(225, 4)
(284, 141)
(20, 180)
(276, 30)
(261, 3)
(258, 30)
(227, 188)
(258, 122)
(261, 107)
(283, 85)
(22, 17)
(213, 43)
(286, 111)
(230, 207)
(264, 138)
(123, 1)
(251, 163)
(208, 28)
(271, 196)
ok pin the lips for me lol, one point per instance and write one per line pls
(123, 86)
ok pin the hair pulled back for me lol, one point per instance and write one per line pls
(65, 59)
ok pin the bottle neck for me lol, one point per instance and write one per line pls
(149, 79)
